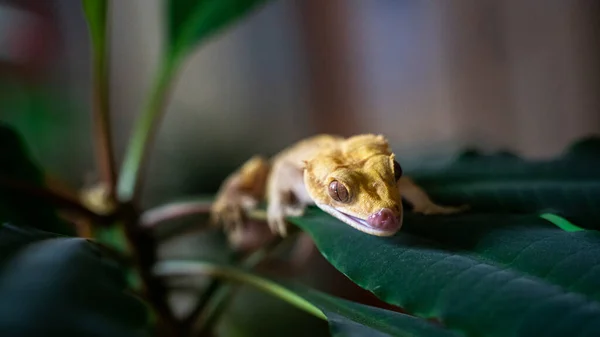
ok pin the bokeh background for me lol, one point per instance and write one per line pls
(431, 75)
(434, 76)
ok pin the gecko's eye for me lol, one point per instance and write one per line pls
(397, 171)
(338, 192)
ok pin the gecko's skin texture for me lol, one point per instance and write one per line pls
(356, 179)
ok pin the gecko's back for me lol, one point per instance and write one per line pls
(307, 148)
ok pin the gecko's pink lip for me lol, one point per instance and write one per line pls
(389, 226)
(363, 225)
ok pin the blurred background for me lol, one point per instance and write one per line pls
(433, 76)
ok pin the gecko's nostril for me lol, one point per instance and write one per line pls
(384, 219)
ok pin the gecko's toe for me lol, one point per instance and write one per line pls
(237, 216)
(273, 225)
(229, 215)
(283, 228)
(213, 219)
(277, 225)
(454, 210)
(294, 211)
(217, 218)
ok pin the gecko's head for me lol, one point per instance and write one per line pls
(357, 184)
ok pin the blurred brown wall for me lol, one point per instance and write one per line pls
(431, 75)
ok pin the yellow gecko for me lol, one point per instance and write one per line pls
(357, 180)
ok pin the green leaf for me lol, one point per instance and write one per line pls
(95, 12)
(482, 274)
(568, 186)
(60, 286)
(17, 172)
(192, 21)
(345, 318)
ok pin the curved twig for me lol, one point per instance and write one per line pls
(170, 211)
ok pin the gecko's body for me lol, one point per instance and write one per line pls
(356, 179)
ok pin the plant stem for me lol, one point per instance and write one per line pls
(129, 183)
(96, 13)
(101, 122)
(187, 324)
(219, 301)
(143, 245)
(172, 268)
(217, 295)
(216, 302)
(177, 209)
(174, 210)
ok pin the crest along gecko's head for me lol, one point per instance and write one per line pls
(357, 183)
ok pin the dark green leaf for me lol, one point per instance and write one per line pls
(568, 186)
(17, 173)
(350, 319)
(59, 286)
(14, 157)
(483, 274)
(192, 21)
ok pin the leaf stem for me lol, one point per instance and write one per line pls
(561, 222)
(101, 124)
(220, 297)
(97, 14)
(173, 268)
(216, 296)
(128, 188)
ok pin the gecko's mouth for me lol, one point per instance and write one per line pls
(360, 224)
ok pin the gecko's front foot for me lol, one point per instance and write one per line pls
(276, 219)
(276, 214)
(230, 211)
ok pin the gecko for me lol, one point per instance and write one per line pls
(355, 179)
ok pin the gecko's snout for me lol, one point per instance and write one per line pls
(384, 219)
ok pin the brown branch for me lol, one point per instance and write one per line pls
(144, 249)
